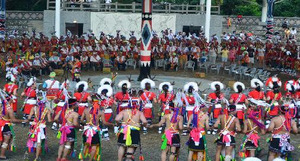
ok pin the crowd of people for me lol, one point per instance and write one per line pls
(31, 54)
(130, 111)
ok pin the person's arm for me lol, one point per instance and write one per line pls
(13, 118)
(143, 119)
(180, 123)
(76, 121)
(237, 125)
(162, 121)
(30, 114)
(49, 116)
(119, 117)
(294, 127)
(216, 125)
(271, 126)
(245, 126)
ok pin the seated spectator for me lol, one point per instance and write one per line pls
(245, 60)
(45, 65)
(96, 61)
(172, 62)
(85, 60)
(36, 65)
(54, 61)
(121, 60)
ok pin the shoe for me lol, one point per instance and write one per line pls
(23, 124)
(214, 132)
(208, 132)
(184, 134)
(159, 131)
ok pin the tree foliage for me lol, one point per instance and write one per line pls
(286, 8)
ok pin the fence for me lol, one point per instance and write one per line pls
(97, 6)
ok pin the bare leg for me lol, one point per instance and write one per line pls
(173, 153)
(60, 151)
(5, 143)
(121, 151)
(200, 156)
(130, 152)
(190, 156)
(228, 150)
(252, 153)
(164, 154)
(67, 149)
(38, 150)
(218, 152)
(93, 152)
(271, 156)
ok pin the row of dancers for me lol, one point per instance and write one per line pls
(129, 111)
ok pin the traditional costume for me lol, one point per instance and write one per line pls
(290, 87)
(105, 81)
(238, 100)
(91, 136)
(216, 98)
(122, 97)
(106, 102)
(52, 88)
(166, 97)
(82, 96)
(189, 102)
(147, 99)
(280, 143)
(60, 102)
(11, 88)
(31, 98)
(273, 97)
(37, 132)
(256, 96)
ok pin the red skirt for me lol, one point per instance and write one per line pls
(189, 114)
(81, 109)
(27, 108)
(217, 112)
(148, 113)
(57, 109)
(108, 117)
(240, 115)
(14, 105)
(274, 111)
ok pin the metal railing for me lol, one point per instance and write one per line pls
(97, 6)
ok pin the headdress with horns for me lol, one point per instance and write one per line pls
(123, 82)
(105, 87)
(84, 83)
(213, 85)
(256, 82)
(170, 87)
(236, 84)
(145, 81)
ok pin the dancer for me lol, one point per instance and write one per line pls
(290, 87)
(147, 98)
(91, 147)
(67, 133)
(106, 81)
(60, 101)
(171, 137)
(30, 93)
(257, 97)
(7, 135)
(82, 96)
(216, 98)
(129, 135)
(122, 98)
(106, 101)
(37, 140)
(230, 124)
(252, 125)
(197, 141)
(189, 103)
(239, 100)
(11, 91)
(281, 126)
(165, 98)
(52, 87)
(274, 96)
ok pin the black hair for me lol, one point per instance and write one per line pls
(239, 88)
(80, 88)
(104, 91)
(218, 90)
(147, 86)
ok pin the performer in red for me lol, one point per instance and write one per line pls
(165, 98)
(290, 95)
(11, 90)
(52, 87)
(60, 101)
(147, 98)
(239, 100)
(82, 96)
(273, 97)
(216, 98)
(257, 96)
(30, 100)
(106, 101)
(189, 102)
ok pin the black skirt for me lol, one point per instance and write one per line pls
(175, 141)
(95, 139)
(220, 142)
(193, 147)
(135, 137)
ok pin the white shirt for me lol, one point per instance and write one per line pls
(120, 59)
(95, 59)
(36, 62)
(173, 60)
(48, 83)
(84, 58)
(294, 32)
(107, 1)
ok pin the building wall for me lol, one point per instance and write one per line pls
(126, 22)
